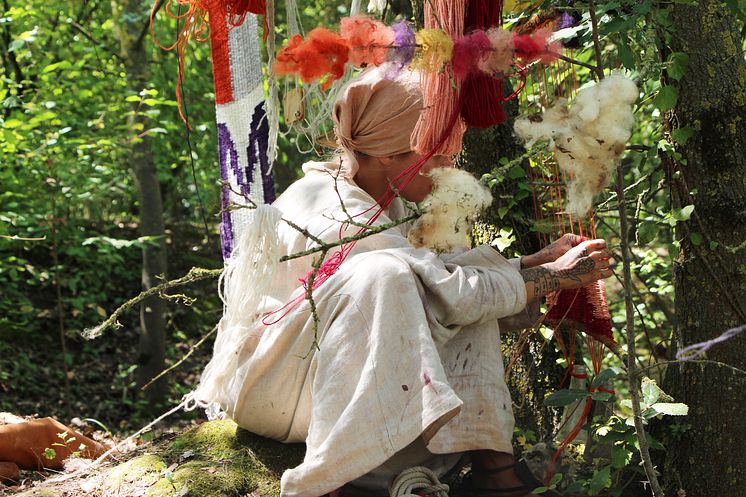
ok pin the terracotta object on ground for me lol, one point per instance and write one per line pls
(10, 473)
(24, 444)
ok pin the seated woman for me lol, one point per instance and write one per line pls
(402, 366)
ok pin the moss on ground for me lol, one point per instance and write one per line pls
(215, 459)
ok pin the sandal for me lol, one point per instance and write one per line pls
(528, 483)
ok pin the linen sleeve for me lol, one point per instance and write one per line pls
(476, 286)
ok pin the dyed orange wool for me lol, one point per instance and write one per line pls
(369, 40)
(322, 55)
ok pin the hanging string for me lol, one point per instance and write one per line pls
(187, 132)
(195, 25)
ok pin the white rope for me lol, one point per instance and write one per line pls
(414, 482)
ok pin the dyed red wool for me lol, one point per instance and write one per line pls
(536, 46)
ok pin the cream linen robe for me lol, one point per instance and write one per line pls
(408, 346)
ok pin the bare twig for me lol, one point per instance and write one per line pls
(632, 376)
(599, 69)
(195, 274)
(180, 361)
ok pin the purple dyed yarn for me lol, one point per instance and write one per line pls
(402, 53)
(566, 20)
(693, 351)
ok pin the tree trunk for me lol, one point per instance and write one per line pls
(129, 16)
(536, 372)
(704, 450)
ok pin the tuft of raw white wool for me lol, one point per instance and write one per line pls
(243, 287)
(588, 137)
(450, 210)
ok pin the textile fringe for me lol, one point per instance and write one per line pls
(243, 287)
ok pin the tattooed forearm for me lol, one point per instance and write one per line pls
(544, 280)
(582, 267)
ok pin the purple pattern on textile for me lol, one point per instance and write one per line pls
(226, 148)
(259, 143)
(403, 50)
(693, 351)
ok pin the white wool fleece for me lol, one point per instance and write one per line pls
(588, 137)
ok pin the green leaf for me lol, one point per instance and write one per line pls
(683, 214)
(602, 396)
(651, 392)
(671, 408)
(501, 211)
(601, 479)
(14, 46)
(50, 453)
(604, 376)
(625, 55)
(565, 397)
(65, 64)
(12, 123)
(682, 135)
(620, 456)
(666, 98)
(696, 239)
(678, 64)
(516, 172)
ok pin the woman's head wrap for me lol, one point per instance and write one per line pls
(375, 116)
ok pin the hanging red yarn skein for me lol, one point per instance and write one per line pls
(323, 54)
(482, 93)
(441, 92)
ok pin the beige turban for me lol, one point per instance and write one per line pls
(375, 116)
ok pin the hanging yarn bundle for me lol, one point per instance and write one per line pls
(588, 138)
(369, 39)
(322, 55)
(441, 91)
(481, 102)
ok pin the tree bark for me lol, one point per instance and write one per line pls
(704, 450)
(129, 16)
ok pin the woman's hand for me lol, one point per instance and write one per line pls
(579, 266)
(553, 251)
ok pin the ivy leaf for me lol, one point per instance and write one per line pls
(683, 214)
(565, 397)
(682, 135)
(670, 408)
(678, 64)
(666, 98)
